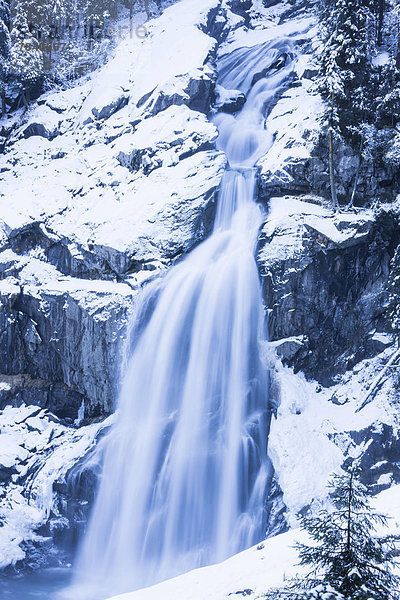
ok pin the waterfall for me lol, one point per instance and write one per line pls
(186, 470)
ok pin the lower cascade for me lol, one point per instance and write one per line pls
(186, 470)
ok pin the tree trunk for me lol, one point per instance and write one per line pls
(3, 101)
(398, 44)
(24, 98)
(332, 172)
(353, 193)
(350, 500)
(381, 12)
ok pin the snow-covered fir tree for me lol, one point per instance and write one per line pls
(95, 14)
(393, 289)
(26, 58)
(347, 29)
(346, 560)
(360, 79)
(5, 47)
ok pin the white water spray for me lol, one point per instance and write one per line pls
(186, 470)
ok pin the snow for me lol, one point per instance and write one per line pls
(165, 139)
(249, 574)
(384, 338)
(320, 439)
(36, 275)
(381, 59)
(141, 65)
(294, 123)
(388, 503)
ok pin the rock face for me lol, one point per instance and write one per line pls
(229, 101)
(63, 333)
(43, 122)
(324, 277)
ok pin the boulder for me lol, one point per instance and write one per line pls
(195, 89)
(43, 122)
(229, 101)
(108, 106)
(165, 139)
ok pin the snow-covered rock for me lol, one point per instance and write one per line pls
(170, 136)
(44, 122)
(40, 451)
(324, 276)
(295, 123)
(229, 101)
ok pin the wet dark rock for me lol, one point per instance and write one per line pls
(56, 397)
(275, 510)
(334, 295)
(41, 130)
(380, 462)
(229, 101)
(241, 6)
(195, 90)
(75, 497)
(6, 473)
(376, 182)
(104, 112)
(78, 363)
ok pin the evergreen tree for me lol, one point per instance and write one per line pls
(362, 95)
(346, 30)
(351, 559)
(95, 13)
(393, 289)
(5, 46)
(346, 560)
(26, 58)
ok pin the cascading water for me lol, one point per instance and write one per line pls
(185, 468)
